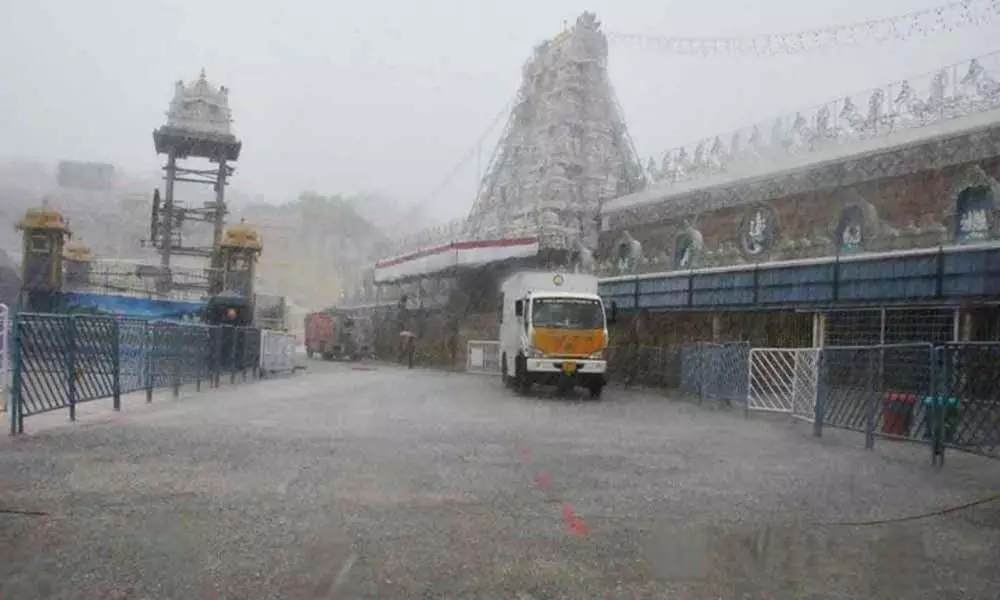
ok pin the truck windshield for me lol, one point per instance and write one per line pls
(567, 313)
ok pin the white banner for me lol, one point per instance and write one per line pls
(456, 254)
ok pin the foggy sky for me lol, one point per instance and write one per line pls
(387, 95)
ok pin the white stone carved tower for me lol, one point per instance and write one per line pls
(564, 151)
(198, 126)
(200, 107)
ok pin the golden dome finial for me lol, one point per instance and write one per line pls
(43, 218)
(242, 236)
(78, 251)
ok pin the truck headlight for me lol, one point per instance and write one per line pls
(534, 353)
(599, 355)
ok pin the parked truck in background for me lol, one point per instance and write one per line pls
(553, 331)
(334, 336)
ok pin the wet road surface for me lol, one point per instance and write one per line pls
(391, 483)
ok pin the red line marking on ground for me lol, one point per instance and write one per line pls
(543, 481)
(574, 522)
(579, 527)
(568, 512)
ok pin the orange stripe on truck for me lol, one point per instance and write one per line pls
(568, 342)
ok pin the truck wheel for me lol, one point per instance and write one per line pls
(524, 385)
(595, 390)
(504, 375)
(523, 382)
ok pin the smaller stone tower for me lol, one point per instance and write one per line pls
(240, 249)
(44, 233)
(77, 259)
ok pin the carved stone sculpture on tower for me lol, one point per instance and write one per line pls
(200, 107)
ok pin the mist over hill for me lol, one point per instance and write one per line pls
(316, 246)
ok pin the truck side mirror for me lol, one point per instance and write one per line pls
(613, 313)
(519, 308)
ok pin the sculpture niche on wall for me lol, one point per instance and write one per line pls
(758, 231)
(627, 255)
(974, 197)
(688, 247)
(857, 228)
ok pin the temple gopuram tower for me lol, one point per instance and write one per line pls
(44, 232)
(565, 149)
(198, 126)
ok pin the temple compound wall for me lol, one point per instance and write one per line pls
(843, 258)
(871, 219)
(937, 193)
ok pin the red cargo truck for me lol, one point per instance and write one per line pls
(331, 336)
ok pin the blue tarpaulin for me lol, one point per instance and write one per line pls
(127, 306)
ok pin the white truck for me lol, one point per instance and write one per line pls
(553, 331)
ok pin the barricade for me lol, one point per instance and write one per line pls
(713, 371)
(59, 361)
(277, 352)
(784, 380)
(966, 401)
(483, 356)
(4, 357)
(875, 390)
(945, 396)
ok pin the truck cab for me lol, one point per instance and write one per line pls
(553, 331)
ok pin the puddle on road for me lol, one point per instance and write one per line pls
(894, 561)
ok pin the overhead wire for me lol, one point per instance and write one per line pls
(914, 24)
(468, 156)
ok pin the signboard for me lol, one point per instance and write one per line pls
(83, 175)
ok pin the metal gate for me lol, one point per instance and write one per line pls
(134, 353)
(483, 356)
(4, 357)
(784, 380)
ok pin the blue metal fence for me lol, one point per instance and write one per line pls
(59, 361)
(881, 390)
(134, 346)
(715, 371)
(178, 354)
(966, 402)
(944, 396)
(707, 371)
